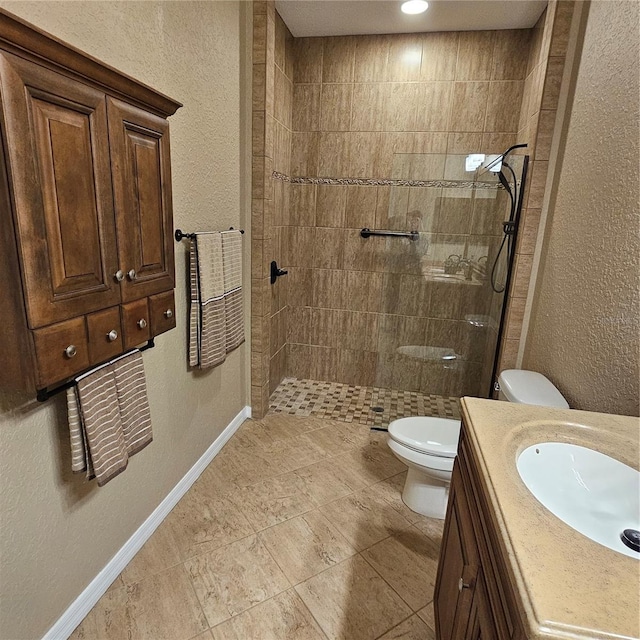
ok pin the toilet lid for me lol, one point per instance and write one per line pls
(435, 436)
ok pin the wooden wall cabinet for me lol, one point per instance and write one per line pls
(85, 207)
(473, 597)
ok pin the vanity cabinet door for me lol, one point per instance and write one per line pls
(142, 193)
(481, 624)
(58, 157)
(457, 568)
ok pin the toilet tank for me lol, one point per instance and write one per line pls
(529, 387)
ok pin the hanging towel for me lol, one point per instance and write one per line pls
(216, 322)
(232, 268)
(132, 401)
(109, 418)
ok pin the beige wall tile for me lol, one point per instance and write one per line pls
(328, 249)
(553, 79)
(371, 55)
(503, 106)
(356, 367)
(259, 38)
(515, 318)
(546, 124)
(324, 363)
(439, 55)
(283, 98)
(299, 361)
(362, 291)
(561, 28)
(498, 142)
(405, 58)
(308, 59)
(521, 276)
(511, 54)
(463, 142)
(280, 40)
(508, 354)
(537, 184)
(364, 152)
(334, 154)
(330, 205)
(475, 55)
(338, 59)
(260, 400)
(469, 105)
(400, 102)
(303, 205)
(360, 208)
(433, 110)
(258, 89)
(306, 107)
(329, 288)
(367, 107)
(304, 153)
(335, 107)
(299, 291)
(528, 233)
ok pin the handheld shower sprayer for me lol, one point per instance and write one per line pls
(509, 226)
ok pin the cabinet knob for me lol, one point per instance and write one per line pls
(132, 275)
(112, 335)
(70, 351)
(168, 313)
(119, 275)
(142, 323)
(463, 585)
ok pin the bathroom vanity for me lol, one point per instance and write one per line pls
(508, 567)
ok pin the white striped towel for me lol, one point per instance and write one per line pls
(109, 417)
(215, 324)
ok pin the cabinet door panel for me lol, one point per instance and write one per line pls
(56, 131)
(142, 191)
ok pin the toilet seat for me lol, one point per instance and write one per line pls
(431, 436)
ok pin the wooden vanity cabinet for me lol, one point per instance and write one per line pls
(473, 595)
(86, 218)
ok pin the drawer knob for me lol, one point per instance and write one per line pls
(70, 351)
(168, 313)
(119, 275)
(112, 335)
(132, 275)
(463, 585)
(142, 323)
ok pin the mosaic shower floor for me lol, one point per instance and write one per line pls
(372, 406)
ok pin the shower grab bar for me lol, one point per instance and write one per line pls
(412, 235)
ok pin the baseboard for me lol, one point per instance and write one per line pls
(81, 606)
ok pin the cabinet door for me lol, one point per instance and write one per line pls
(58, 157)
(481, 625)
(458, 567)
(142, 191)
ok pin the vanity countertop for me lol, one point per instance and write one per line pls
(568, 586)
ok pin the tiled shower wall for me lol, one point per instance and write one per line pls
(408, 107)
(272, 109)
(536, 126)
(364, 107)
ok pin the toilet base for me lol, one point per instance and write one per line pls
(425, 495)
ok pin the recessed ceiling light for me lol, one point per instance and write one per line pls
(414, 6)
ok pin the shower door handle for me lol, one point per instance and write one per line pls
(276, 272)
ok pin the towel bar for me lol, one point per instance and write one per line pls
(181, 235)
(412, 235)
(43, 395)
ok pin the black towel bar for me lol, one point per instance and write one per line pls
(181, 235)
(412, 235)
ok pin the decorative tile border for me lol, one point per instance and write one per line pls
(377, 182)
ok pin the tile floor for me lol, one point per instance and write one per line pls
(295, 531)
(339, 401)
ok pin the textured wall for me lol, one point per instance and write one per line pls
(56, 530)
(585, 322)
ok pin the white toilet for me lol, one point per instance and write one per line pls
(428, 446)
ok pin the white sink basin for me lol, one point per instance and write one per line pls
(591, 492)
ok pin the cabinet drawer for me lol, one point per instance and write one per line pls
(105, 334)
(163, 312)
(61, 350)
(135, 323)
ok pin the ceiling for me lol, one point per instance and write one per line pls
(350, 17)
